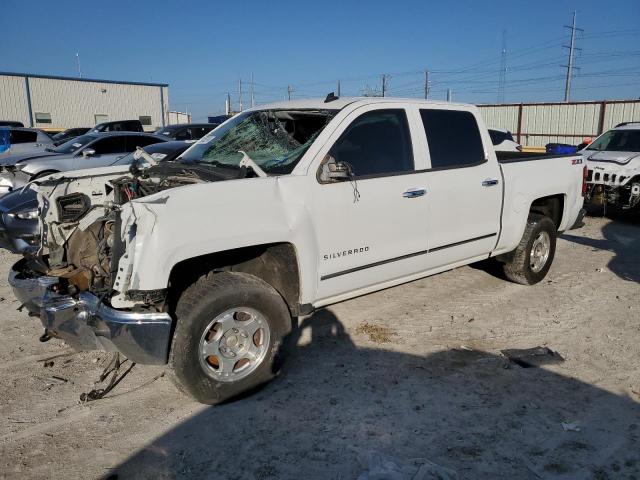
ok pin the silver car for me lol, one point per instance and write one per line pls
(25, 140)
(86, 151)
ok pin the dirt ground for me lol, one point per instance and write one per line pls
(413, 372)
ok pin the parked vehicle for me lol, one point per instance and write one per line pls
(19, 228)
(119, 126)
(87, 151)
(187, 131)
(503, 141)
(284, 209)
(26, 140)
(68, 134)
(613, 162)
(10, 123)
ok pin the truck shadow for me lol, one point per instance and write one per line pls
(621, 238)
(469, 411)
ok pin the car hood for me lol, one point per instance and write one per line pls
(19, 200)
(13, 159)
(621, 158)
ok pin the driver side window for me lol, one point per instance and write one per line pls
(376, 143)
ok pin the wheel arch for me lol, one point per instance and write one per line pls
(275, 263)
(551, 206)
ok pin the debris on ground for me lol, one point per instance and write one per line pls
(384, 467)
(532, 357)
(571, 426)
(376, 333)
(113, 369)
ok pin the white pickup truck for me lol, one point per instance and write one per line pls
(204, 262)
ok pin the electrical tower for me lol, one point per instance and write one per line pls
(569, 66)
(502, 79)
(426, 84)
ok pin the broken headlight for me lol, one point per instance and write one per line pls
(72, 207)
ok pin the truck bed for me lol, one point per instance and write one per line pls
(509, 157)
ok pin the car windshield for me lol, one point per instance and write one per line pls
(74, 144)
(274, 139)
(617, 141)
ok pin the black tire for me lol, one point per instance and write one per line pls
(518, 267)
(199, 305)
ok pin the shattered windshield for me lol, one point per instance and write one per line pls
(618, 141)
(274, 139)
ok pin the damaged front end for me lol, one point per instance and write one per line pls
(78, 281)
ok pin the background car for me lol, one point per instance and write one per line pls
(119, 126)
(68, 134)
(86, 151)
(186, 131)
(10, 123)
(19, 227)
(503, 141)
(25, 140)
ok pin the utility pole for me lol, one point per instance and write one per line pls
(569, 66)
(502, 80)
(240, 94)
(426, 84)
(252, 95)
(385, 79)
(78, 63)
(289, 91)
(227, 104)
(338, 89)
(449, 94)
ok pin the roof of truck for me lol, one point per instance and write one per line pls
(321, 104)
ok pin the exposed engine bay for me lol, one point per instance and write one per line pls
(91, 220)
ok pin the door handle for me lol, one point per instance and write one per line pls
(489, 182)
(414, 192)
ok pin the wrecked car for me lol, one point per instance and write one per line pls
(203, 263)
(613, 162)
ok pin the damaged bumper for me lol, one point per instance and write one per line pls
(85, 323)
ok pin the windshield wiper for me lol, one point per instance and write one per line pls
(248, 162)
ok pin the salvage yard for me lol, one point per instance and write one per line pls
(413, 372)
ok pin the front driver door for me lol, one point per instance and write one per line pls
(370, 229)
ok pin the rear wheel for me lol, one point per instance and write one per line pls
(531, 260)
(229, 329)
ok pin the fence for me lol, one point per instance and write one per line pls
(536, 124)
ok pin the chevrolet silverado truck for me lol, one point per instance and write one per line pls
(613, 163)
(204, 263)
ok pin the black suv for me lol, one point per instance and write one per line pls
(119, 126)
(186, 131)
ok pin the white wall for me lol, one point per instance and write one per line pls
(544, 123)
(74, 103)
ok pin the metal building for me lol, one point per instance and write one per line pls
(46, 101)
(536, 124)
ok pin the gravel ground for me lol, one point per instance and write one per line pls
(413, 372)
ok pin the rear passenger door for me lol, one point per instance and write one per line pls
(464, 186)
(372, 228)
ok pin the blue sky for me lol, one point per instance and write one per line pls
(202, 48)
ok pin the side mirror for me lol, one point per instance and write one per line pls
(334, 171)
(88, 152)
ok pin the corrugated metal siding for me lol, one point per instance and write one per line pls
(75, 104)
(13, 99)
(501, 117)
(178, 117)
(559, 122)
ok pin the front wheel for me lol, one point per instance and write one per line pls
(532, 258)
(229, 329)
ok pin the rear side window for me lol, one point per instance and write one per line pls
(453, 137)
(376, 143)
(139, 141)
(23, 136)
